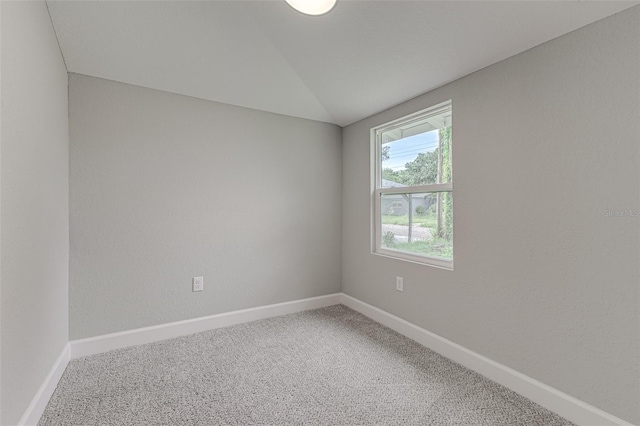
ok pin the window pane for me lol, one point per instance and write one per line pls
(418, 153)
(420, 224)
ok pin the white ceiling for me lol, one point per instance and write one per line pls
(359, 59)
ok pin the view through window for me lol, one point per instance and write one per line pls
(413, 206)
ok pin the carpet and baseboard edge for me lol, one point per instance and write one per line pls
(139, 336)
(40, 400)
(552, 399)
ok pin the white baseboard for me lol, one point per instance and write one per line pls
(34, 411)
(139, 336)
(565, 405)
(99, 344)
(552, 399)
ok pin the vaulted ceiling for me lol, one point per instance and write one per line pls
(359, 59)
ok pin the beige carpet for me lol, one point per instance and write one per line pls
(331, 366)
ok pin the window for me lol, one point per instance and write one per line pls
(413, 188)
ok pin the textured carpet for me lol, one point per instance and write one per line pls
(331, 366)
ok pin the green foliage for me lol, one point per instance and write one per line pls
(385, 153)
(446, 228)
(389, 174)
(423, 170)
(420, 210)
(424, 221)
(389, 219)
(438, 247)
(388, 239)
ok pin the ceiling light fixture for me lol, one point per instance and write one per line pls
(312, 7)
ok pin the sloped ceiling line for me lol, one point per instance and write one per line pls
(359, 59)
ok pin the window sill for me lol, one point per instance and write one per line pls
(421, 260)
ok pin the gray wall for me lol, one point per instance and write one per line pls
(544, 282)
(159, 184)
(35, 204)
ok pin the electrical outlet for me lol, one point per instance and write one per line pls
(399, 284)
(198, 283)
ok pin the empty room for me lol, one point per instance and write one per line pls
(319, 212)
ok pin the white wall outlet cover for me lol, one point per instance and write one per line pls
(399, 284)
(198, 283)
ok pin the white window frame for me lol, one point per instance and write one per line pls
(378, 192)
